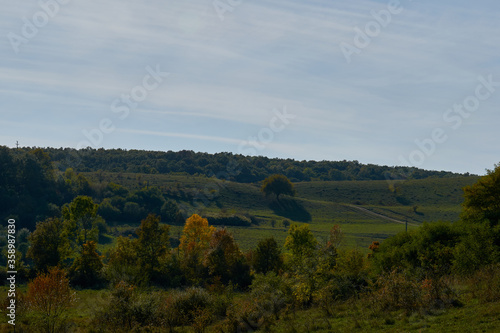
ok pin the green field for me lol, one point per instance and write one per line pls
(320, 204)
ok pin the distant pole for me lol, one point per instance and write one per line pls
(17, 144)
(406, 224)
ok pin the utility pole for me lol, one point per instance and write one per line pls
(17, 144)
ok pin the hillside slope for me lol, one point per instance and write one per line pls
(321, 204)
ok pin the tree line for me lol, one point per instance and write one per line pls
(35, 183)
(245, 169)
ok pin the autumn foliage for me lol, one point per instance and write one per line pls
(49, 297)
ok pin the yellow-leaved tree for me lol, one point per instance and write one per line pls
(194, 242)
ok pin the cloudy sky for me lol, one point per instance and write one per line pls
(384, 82)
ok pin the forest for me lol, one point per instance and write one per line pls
(235, 167)
(36, 182)
(95, 254)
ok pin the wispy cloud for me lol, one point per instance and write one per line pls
(180, 135)
(228, 76)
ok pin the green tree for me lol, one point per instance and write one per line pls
(277, 185)
(267, 256)
(150, 199)
(48, 245)
(152, 245)
(122, 264)
(45, 162)
(86, 269)
(108, 211)
(482, 200)
(81, 220)
(224, 259)
(300, 241)
(170, 212)
(303, 245)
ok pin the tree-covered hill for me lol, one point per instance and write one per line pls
(35, 183)
(229, 166)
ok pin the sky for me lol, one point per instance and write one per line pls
(413, 83)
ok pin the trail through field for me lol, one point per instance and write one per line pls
(387, 218)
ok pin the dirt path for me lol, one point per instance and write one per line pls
(368, 212)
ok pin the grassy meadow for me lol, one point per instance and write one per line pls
(321, 204)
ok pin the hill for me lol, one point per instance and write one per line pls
(239, 168)
(36, 183)
(321, 204)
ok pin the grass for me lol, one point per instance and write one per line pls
(321, 204)
(354, 315)
(357, 316)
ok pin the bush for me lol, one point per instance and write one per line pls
(427, 250)
(189, 302)
(128, 311)
(398, 290)
(269, 297)
(476, 249)
(271, 294)
(401, 290)
(233, 220)
(485, 284)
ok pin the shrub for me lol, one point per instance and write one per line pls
(398, 290)
(127, 310)
(232, 220)
(188, 303)
(485, 284)
(271, 294)
(476, 249)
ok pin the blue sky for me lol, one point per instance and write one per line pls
(230, 73)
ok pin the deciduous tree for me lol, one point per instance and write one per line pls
(224, 259)
(48, 245)
(80, 218)
(195, 240)
(196, 235)
(482, 200)
(267, 256)
(86, 270)
(278, 185)
(300, 241)
(49, 297)
(152, 244)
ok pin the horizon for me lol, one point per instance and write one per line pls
(246, 156)
(396, 83)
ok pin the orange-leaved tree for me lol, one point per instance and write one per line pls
(49, 297)
(195, 240)
(196, 235)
